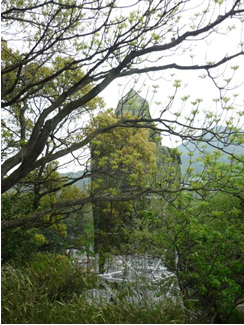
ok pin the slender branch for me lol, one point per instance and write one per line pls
(180, 67)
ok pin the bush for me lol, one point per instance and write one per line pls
(56, 276)
(30, 288)
(19, 245)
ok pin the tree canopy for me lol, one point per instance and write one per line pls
(65, 53)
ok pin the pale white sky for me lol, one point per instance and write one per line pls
(215, 48)
(191, 83)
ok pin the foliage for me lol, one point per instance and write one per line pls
(191, 153)
(57, 276)
(66, 54)
(47, 275)
(122, 153)
(49, 289)
(20, 245)
(57, 58)
(204, 238)
(52, 231)
(124, 162)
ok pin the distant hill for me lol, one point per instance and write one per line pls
(184, 148)
(197, 148)
(72, 175)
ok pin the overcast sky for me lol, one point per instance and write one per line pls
(217, 47)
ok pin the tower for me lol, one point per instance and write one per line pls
(110, 230)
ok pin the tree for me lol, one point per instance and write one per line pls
(68, 52)
(54, 231)
(203, 238)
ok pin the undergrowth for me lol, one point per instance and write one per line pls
(50, 290)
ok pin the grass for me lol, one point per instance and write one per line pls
(50, 290)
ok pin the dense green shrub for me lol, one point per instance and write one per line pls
(203, 236)
(18, 245)
(47, 278)
(58, 277)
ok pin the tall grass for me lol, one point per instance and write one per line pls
(50, 290)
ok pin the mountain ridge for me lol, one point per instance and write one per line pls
(197, 149)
